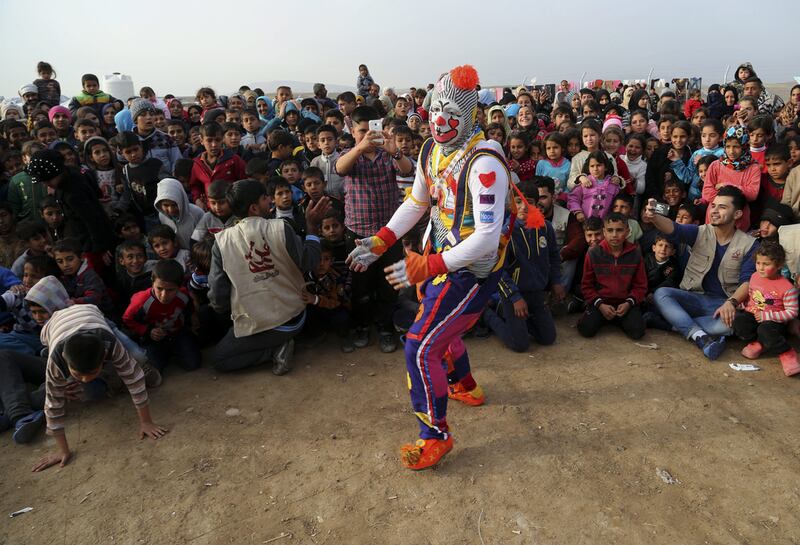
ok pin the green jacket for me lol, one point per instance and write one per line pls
(24, 196)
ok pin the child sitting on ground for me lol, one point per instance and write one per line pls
(164, 242)
(83, 284)
(770, 304)
(82, 352)
(592, 233)
(175, 210)
(160, 317)
(662, 270)
(532, 265)
(614, 282)
(327, 302)
(212, 326)
(219, 215)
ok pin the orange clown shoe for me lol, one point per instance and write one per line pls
(473, 398)
(425, 453)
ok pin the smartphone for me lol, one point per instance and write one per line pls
(377, 126)
(661, 208)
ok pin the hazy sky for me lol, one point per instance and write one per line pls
(179, 46)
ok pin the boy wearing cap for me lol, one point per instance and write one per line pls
(775, 216)
(156, 143)
(30, 97)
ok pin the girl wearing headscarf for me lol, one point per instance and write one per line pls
(737, 168)
(497, 114)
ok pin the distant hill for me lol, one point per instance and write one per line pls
(300, 87)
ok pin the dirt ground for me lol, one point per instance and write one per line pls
(565, 451)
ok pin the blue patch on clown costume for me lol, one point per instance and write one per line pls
(487, 216)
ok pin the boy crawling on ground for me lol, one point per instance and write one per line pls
(82, 350)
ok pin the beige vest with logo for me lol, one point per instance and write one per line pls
(266, 282)
(702, 259)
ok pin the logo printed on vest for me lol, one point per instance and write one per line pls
(736, 255)
(259, 261)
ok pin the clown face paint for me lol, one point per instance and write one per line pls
(447, 123)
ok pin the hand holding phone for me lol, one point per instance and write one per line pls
(376, 125)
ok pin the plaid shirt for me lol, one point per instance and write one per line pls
(370, 193)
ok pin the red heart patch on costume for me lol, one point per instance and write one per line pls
(487, 179)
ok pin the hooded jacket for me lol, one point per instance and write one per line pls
(188, 214)
(505, 124)
(49, 293)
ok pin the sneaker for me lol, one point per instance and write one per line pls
(714, 347)
(152, 378)
(575, 305)
(481, 330)
(282, 358)
(5, 423)
(789, 362)
(388, 342)
(27, 427)
(361, 337)
(347, 344)
(425, 453)
(473, 398)
(753, 350)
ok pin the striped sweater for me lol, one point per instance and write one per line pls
(56, 331)
(775, 298)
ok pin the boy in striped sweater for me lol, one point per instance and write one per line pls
(770, 305)
(82, 351)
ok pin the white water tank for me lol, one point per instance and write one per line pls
(119, 86)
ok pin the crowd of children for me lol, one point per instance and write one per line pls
(111, 211)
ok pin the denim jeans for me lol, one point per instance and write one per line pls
(18, 341)
(689, 311)
(182, 346)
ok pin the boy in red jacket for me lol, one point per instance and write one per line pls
(215, 163)
(160, 316)
(614, 282)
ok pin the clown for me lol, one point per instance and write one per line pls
(464, 181)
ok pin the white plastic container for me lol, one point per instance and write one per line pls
(118, 85)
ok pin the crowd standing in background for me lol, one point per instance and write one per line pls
(127, 228)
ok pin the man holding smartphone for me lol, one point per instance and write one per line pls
(370, 170)
(717, 274)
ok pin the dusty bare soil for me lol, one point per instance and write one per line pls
(565, 451)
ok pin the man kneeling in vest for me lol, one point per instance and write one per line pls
(716, 276)
(256, 275)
